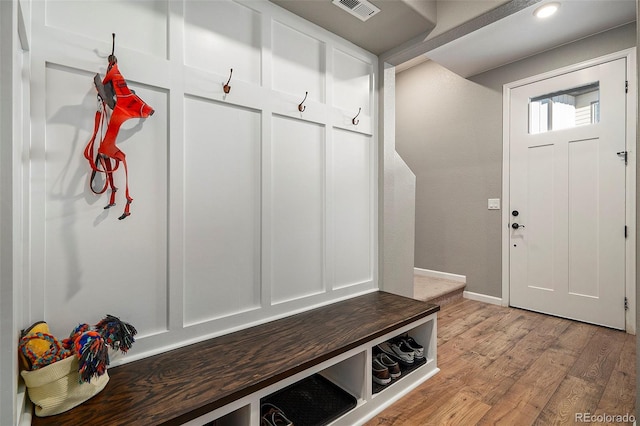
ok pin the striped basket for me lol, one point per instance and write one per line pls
(57, 388)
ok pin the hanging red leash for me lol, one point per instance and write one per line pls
(125, 105)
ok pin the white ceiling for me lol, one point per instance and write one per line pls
(465, 36)
(522, 34)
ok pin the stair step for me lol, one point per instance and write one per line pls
(437, 290)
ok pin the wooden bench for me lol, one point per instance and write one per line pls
(185, 384)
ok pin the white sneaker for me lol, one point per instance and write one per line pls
(395, 351)
(416, 347)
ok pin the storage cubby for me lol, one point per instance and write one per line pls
(349, 374)
(323, 394)
(241, 416)
(423, 335)
(313, 401)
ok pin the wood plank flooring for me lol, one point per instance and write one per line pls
(508, 366)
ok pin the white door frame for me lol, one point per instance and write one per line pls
(630, 284)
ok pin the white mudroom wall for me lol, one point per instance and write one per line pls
(245, 209)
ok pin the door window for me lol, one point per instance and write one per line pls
(567, 108)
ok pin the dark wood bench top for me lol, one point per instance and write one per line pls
(185, 383)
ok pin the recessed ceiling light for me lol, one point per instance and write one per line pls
(546, 10)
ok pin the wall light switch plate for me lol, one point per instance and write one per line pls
(494, 204)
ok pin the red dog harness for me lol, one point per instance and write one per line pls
(126, 105)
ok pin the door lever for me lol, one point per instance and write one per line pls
(625, 154)
(515, 225)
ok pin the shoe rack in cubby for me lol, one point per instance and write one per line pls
(380, 397)
(419, 334)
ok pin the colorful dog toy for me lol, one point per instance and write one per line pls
(38, 348)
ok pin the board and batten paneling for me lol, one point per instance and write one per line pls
(140, 25)
(223, 35)
(297, 255)
(87, 263)
(245, 208)
(353, 82)
(298, 62)
(351, 163)
(221, 210)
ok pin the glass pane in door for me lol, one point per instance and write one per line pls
(567, 108)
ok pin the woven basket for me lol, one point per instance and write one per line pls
(56, 388)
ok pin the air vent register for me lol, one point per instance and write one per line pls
(361, 9)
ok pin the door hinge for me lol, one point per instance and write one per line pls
(626, 231)
(626, 86)
(626, 304)
(625, 154)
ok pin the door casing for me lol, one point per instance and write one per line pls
(630, 214)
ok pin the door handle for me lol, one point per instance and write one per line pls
(515, 225)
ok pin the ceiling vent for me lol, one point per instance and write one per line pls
(361, 9)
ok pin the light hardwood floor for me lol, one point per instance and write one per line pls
(513, 367)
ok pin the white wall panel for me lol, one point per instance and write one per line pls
(222, 210)
(298, 63)
(352, 82)
(138, 25)
(259, 211)
(94, 263)
(352, 194)
(297, 209)
(220, 35)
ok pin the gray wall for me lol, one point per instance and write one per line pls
(449, 131)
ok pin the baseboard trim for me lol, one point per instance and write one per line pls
(482, 298)
(441, 275)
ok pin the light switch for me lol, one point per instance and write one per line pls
(494, 204)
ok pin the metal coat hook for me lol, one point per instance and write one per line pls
(301, 107)
(226, 87)
(112, 58)
(354, 120)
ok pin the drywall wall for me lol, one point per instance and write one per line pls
(440, 136)
(449, 131)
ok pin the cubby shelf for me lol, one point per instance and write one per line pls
(422, 333)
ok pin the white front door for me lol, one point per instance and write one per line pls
(567, 195)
